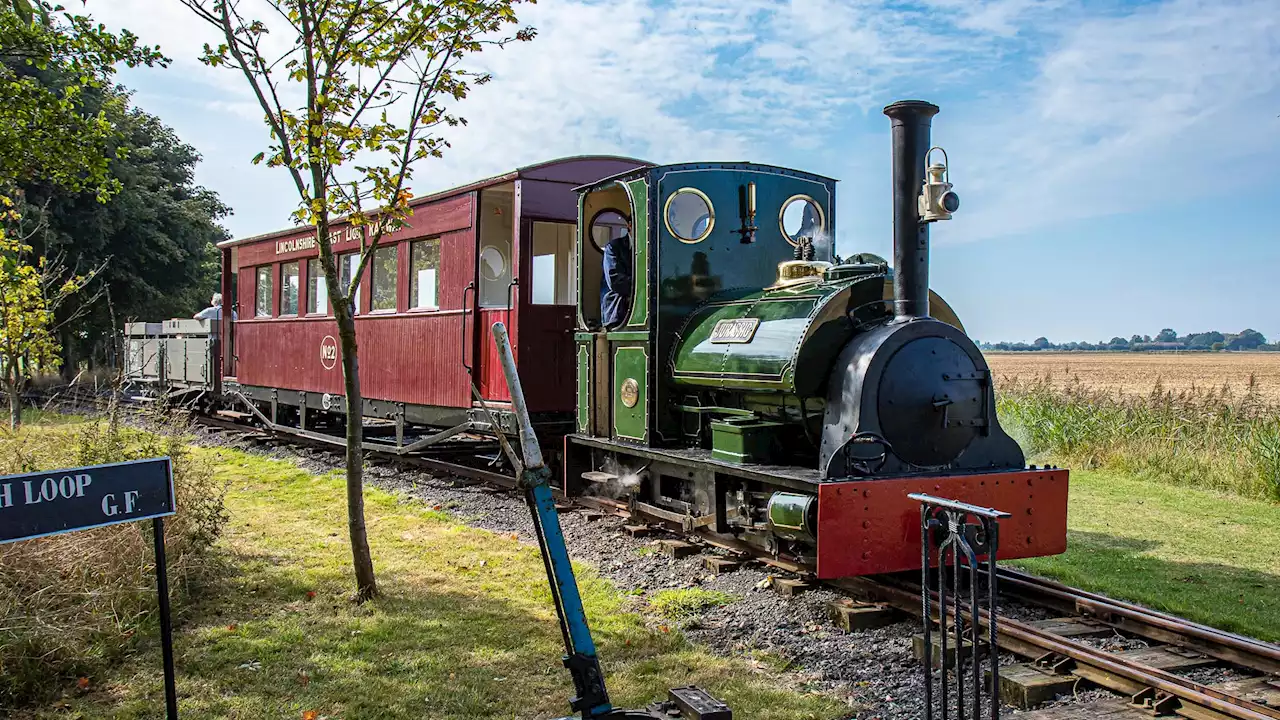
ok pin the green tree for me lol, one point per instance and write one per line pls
(353, 92)
(1205, 340)
(46, 136)
(31, 289)
(1166, 335)
(1249, 339)
(26, 10)
(158, 233)
(44, 132)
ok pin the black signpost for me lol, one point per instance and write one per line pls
(62, 501)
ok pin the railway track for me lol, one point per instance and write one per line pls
(1059, 650)
(1061, 655)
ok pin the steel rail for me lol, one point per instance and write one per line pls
(1152, 624)
(429, 463)
(1195, 701)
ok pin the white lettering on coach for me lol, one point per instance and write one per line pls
(350, 233)
(328, 352)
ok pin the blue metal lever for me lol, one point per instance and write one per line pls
(592, 699)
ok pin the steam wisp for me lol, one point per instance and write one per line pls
(625, 482)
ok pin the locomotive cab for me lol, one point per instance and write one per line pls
(699, 236)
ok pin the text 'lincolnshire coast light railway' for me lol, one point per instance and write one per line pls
(745, 383)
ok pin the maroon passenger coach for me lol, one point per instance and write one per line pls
(497, 249)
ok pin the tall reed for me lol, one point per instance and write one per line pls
(1203, 437)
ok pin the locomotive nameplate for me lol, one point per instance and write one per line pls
(735, 330)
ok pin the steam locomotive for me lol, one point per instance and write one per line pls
(787, 403)
(759, 390)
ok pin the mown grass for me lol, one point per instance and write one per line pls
(1207, 438)
(1204, 555)
(37, 417)
(464, 627)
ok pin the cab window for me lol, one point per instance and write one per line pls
(604, 214)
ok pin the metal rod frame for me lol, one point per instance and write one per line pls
(948, 535)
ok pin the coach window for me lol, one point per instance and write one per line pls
(496, 207)
(553, 264)
(262, 294)
(385, 268)
(347, 265)
(424, 269)
(317, 289)
(289, 288)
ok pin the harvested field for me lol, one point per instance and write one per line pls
(1136, 373)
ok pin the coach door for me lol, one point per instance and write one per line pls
(226, 363)
(548, 308)
(497, 282)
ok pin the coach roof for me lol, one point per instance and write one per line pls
(526, 172)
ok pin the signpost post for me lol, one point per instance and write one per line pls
(62, 501)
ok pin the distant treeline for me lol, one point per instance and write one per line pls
(1166, 339)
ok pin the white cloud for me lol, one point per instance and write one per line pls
(1172, 101)
(1052, 110)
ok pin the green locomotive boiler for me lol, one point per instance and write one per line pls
(764, 392)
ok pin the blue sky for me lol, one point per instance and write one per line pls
(1115, 159)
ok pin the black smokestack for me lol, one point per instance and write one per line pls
(910, 120)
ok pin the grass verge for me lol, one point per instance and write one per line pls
(1206, 556)
(464, 627)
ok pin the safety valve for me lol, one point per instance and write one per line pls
(937, 201)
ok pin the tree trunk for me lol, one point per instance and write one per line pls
(361, 558)
(15, 406)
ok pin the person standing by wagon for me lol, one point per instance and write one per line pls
(213, 314)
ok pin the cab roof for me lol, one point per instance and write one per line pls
(658, 170)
